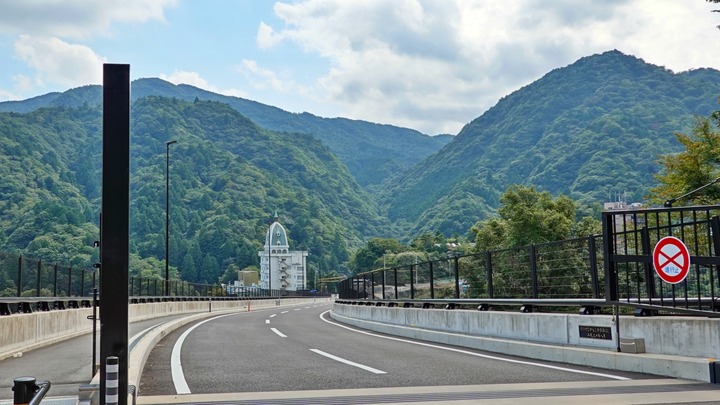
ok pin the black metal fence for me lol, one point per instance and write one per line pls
(555, 270)
(21, 276)
(615, 268)
(633, 254)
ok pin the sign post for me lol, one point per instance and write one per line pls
(671, 259)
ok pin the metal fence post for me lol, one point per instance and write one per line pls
(82, 282)
(649, 271)
(432, 281)
(412, 286)
(593, 267)
(457, 276)
(383, 284)
(37, 281)
(488, 268)
(533, 271)
(19, 277)
(55, 281)
(372, 284)
(611, 276)
(396, 287)
(69, 294)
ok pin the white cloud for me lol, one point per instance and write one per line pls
(56, 61)
(262, 78)
(75, 19)
(435, 65)
(194, 79)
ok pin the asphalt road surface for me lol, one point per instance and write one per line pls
(302, 348)
(67, 365)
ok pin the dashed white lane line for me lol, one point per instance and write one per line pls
(284, 312)
(277, 332)
(297, 309)
(348, 362)
(273, 315)
(529, 363)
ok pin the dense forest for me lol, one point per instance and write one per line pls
(370, 151)
(592, 130)
(228, 177)
(342, 189)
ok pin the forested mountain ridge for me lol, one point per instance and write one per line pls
(589, 130)
(228, 177)
(372, 152)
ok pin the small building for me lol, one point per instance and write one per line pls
(248, 278)
(280, 268)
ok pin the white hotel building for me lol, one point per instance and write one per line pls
(280, 268)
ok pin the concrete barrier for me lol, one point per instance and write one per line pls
(679, 347)
(25, 332)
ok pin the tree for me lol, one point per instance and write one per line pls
(696, 166)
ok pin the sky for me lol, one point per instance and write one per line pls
(430, 65)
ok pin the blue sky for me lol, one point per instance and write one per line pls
(431, 65)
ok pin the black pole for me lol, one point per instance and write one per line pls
(167, 216)
(37, 281)
(19, 277)
(115, 226)
(94, 319)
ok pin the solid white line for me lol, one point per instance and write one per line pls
(485, 356)
(277, 332)
(273, 315)
(178, 376)
(348, 362)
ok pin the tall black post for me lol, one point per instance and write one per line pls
(115, 227)
(167, 217)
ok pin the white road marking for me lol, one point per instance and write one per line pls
(178, 376)
(485, 356)
(297, 309)
(277, 332)
(273, 315)
(348, 362)
(284, 312)
(267, 321)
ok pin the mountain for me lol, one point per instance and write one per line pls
(590, 130)
(372, 152)
(228, 176)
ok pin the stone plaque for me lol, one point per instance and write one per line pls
(595, 332)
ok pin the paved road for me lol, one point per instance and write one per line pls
(300, 349)
(67, 365)
(299, 355)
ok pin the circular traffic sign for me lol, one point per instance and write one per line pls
(671, 260)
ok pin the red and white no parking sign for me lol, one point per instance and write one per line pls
(671, 259)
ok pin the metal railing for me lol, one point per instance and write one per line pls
(555, 270)
(28, 284)
(568, 272)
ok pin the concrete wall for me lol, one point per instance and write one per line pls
(682, 336)
(24, 332)
(678, 347)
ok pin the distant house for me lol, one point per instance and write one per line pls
(280, 268)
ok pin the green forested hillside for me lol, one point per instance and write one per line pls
(372, 152)
(228, 177)
(590, 130)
